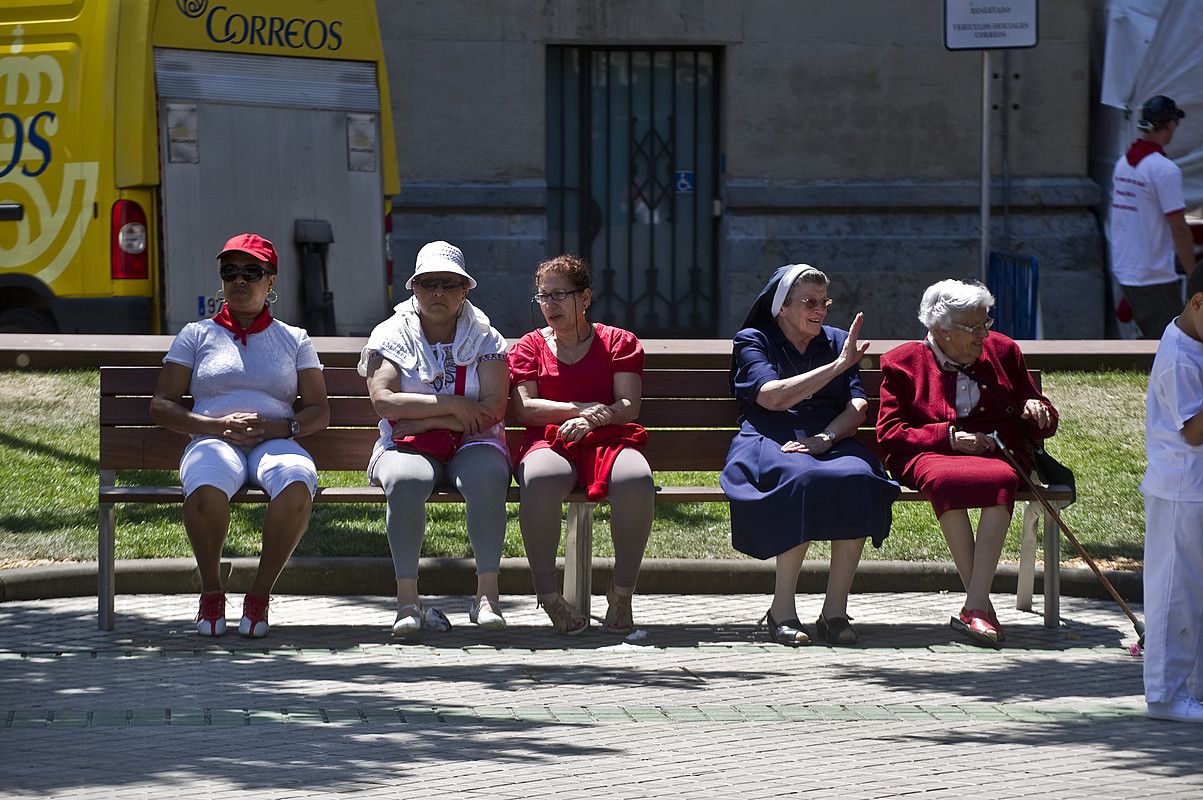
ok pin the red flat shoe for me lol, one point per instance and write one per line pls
(993, 618)
(975, 623)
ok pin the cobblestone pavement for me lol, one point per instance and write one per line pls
(329, 704)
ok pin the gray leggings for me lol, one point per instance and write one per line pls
(546, 478)
(481, 473)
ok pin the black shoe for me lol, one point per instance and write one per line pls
(788, 632)
(836, 631)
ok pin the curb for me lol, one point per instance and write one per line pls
(312, 575)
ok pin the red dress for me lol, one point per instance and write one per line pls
(590, 380)
(917, 407)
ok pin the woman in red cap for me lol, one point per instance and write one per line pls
(244, 370)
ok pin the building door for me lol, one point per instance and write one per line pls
(632, 175)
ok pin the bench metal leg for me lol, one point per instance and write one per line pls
(1026, 584)
(578, 556)
(1052, 572)
(106, 567)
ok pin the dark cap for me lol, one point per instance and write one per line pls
(1157, 111)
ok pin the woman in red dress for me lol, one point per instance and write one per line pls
(576, 388)
(940, 400)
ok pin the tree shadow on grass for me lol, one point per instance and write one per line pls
(33, 446)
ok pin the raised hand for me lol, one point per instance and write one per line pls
(854, 349)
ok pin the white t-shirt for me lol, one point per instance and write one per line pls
(1175, 469)
(1142, 247)
(228, 376)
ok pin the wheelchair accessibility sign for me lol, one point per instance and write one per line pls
(683, 181)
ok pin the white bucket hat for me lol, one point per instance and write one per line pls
(440, 257)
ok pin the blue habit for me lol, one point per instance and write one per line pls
(779, 500)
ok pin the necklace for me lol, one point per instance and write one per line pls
(570, 353)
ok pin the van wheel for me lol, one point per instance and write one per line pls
(27, 320)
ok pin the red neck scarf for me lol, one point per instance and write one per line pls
(226, 320)
(1141, 148)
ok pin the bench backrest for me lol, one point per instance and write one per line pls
(689, 414)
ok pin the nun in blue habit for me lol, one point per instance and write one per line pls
(795, 472)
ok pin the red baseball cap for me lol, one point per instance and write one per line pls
(253, 245)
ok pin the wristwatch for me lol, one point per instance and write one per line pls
(294, 427)
(829, 435)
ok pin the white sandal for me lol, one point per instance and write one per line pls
(486, 614)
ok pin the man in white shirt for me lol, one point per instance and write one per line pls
(1148, 221)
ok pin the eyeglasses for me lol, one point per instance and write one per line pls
(250, 274)
(559, 295)
(976, 330)
(814, 302)
(445, 284)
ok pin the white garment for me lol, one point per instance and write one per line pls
(427, 368)
(1175, 468)
(271, 465)
(227, 376)
(1142, 247)
(1173, 599)
(969, 392)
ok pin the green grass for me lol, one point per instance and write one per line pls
(48, 470)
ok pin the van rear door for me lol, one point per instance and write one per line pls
(254, 143)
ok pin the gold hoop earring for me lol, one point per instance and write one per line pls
(272, 296)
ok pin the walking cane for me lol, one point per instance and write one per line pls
(1039, 492)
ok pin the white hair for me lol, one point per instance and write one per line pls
(947, 297)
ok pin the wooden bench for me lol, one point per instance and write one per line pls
(689, 414)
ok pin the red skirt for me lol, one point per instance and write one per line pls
(963, 481)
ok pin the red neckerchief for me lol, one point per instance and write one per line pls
(1141, 148)
(227, 321)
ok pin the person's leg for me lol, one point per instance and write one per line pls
(991, 535)
(407, 479)
(481, 473)
(210, 471)
(287, 473)
(545, 478)
(632, 507)
(1173, 598)
(845, 557)
(1153, 307)
(958, 532)
(785, 588)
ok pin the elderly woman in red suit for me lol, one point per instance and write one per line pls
(940, 400)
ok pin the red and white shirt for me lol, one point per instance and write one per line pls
(1145, 189)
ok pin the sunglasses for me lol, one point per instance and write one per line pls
(445, 284)
(559, 295)
(250, 274)
(813, 302)
(976, 330)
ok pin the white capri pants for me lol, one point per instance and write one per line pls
(270, 465)
(1173, 563)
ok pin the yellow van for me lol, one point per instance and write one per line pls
(137, 135)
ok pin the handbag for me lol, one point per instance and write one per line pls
(440, 443)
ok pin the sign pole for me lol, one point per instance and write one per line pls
(985, 189)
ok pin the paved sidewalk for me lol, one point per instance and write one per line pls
(329, 704)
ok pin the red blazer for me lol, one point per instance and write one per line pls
(917, 402)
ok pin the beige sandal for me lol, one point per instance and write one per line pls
(619, 616)
(564, 617)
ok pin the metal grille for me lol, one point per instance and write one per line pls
(632, 172)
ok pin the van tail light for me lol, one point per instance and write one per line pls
(128, 258)
(388, 251)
